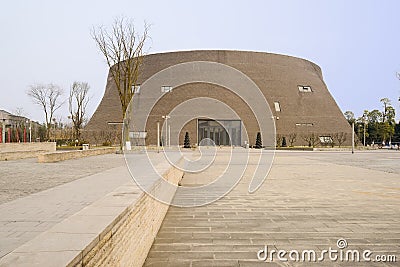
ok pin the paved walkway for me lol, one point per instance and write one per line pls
(309, 201)
(83, 181)
(21, 178)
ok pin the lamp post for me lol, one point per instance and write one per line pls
(71, 130)
(55, 136)
(352, 138)
(169, 135)
(365, 122)
(158, 136)
(364, 133)
(166, 117)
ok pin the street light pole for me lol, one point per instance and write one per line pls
(55, 136)
(158, 137)
(169, 135)
(364, 133)
(365, 124)
(166, 117)
(352, 139)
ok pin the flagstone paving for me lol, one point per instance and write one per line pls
(309, 201)
(45, 194)
(19, 178)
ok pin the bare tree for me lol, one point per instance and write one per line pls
(278, 139)
(95, 137)
(106, 138)
(340, 138)
(312, 139)
(78, 100)
(292, 138)
(386, 103)
(48, 97)
(19, 122)
(122, 48)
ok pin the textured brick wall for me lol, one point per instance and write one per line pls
(186, 92)
(277, 76)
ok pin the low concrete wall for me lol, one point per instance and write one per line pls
(65, 155)
(332, 149)
(128, 239)
(13, 151)
(295, 148)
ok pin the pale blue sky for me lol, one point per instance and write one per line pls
(354, 42)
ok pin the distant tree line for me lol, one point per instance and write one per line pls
(376, 126)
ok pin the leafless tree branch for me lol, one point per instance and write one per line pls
(122, 48)
(78, 100)
(48, 97)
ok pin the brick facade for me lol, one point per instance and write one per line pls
(277, 76)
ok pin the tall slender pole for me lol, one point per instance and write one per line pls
(166, 117)
(158, 137)
(352, 138)
(166, 131)
(169, 135)
(364, 133)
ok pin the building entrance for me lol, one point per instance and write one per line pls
(222, 132)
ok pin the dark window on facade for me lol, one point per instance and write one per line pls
(305, 89)
(136, 89)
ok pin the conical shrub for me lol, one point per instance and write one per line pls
(186, 142)
(258, 141)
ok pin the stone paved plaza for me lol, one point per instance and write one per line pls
(44, 194)
(20, 178)
(308, 202)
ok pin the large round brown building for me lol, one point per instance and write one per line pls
(228, 97)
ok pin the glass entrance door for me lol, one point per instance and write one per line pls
(222, 132)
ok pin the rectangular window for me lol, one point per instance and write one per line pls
(137, 135)
(277, 106)
(136, 89)
(325, 140)
(305, 89)
(305, 124)
(166, 89)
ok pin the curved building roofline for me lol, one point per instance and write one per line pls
(318, 68)
(233, 51)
